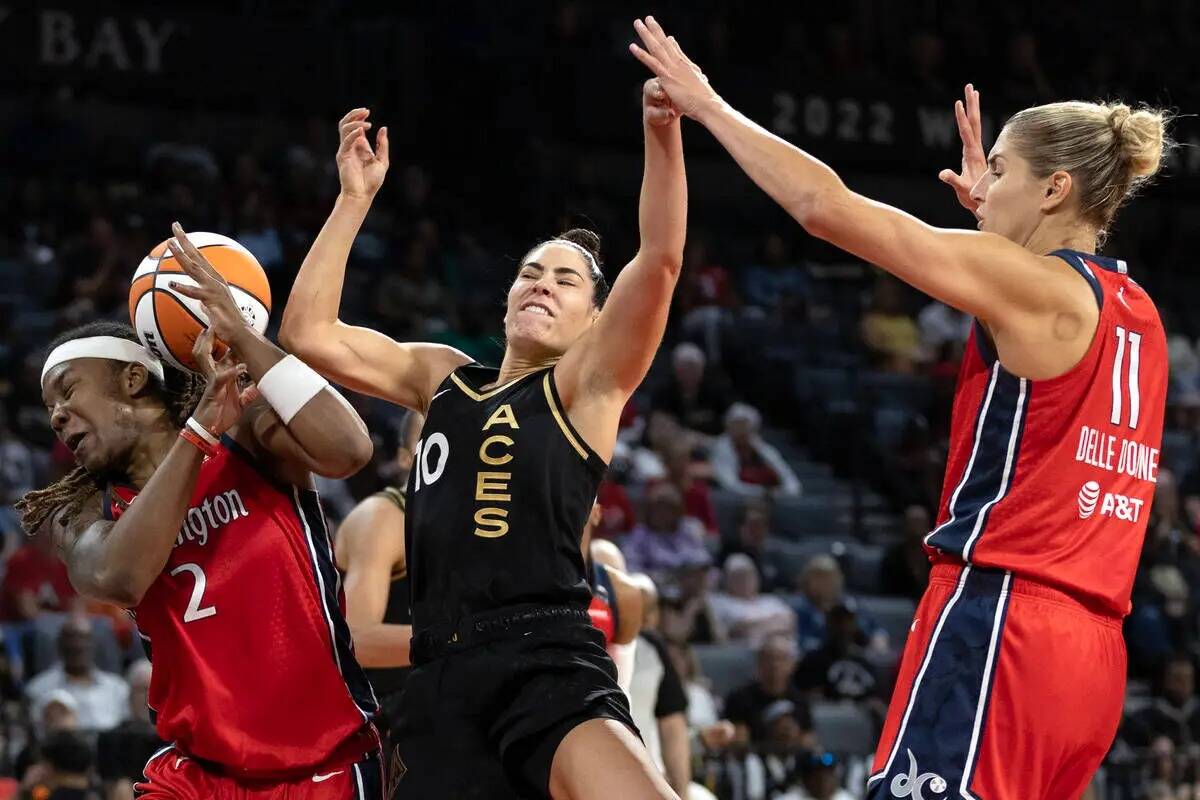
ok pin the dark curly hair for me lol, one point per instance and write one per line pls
(179, 392)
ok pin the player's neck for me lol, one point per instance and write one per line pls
(514, 367)
(152, 448)
(1051, 236)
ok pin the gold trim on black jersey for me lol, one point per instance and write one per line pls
(476, 396)
(558, 417)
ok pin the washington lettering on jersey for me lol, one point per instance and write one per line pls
(214, 513)
(244, 618)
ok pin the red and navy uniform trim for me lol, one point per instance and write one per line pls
(947, 708)
(992, 466)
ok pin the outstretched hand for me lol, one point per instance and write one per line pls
(225, 319)
(361, 169)
(686, 86)
(974, 160)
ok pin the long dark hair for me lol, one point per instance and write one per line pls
(179, 393)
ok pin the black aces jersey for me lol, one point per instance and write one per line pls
(500, 491)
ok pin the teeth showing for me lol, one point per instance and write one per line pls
(537, 310)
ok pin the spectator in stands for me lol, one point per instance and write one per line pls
(687, 612)
(905, 568)
(122, 752)
(822, 588)
(745, 706)
(666, 541)
(744, 463)
(769, 769)
(1166, 588)
(839, 669)
(648, 462)
(943, 332)
(64, 771)
(888, 331)
(752, 534)
(657, 699)
(817, 779)
(1175, 712)
(618, 515)
(36, 581)
(708, 729)
(102, 698)
(777, 279)
(742, 613)
(694, 394)
(681, 473)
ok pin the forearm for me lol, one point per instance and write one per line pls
(802, 184)
(380, 645)
(326, 428)
(676, 752)
(316, 295)
(120, 564)
(662, 208)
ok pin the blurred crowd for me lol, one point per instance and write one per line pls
(773, 477)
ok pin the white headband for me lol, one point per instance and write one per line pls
(110, 347)
(584, 252)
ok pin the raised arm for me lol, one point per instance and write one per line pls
(362, 359)
(370, 548)
(314, 429)
(1018, 294)
(614, 356)
(116, 562)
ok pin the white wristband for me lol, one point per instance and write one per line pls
(289, 385)
(201, 431)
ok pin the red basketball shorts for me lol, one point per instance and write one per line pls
(1008, 690)
(171, 774)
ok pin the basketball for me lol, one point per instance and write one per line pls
(167, 322)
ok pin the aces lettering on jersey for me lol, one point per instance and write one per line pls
(491, 484)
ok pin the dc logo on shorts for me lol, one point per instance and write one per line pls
(913, 784)
(1088, 495)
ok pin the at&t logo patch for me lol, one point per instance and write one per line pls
(1116, 506)
(1088, 496)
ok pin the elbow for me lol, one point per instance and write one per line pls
(121, 587)
(348, 458)
(820, 209)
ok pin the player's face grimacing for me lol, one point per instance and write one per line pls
(551, 303)
(1010, 197)
(88, 400)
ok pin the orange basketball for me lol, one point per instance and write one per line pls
(167, 322)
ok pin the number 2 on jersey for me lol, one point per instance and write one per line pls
(1119, 383)
(194, 611)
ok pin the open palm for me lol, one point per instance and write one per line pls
(974, 161)
(361, 169)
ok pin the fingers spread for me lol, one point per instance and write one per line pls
(652, 63)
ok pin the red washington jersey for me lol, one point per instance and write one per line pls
(1053, 479)
(253, 667)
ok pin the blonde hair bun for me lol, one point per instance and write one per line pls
(1140, 135)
